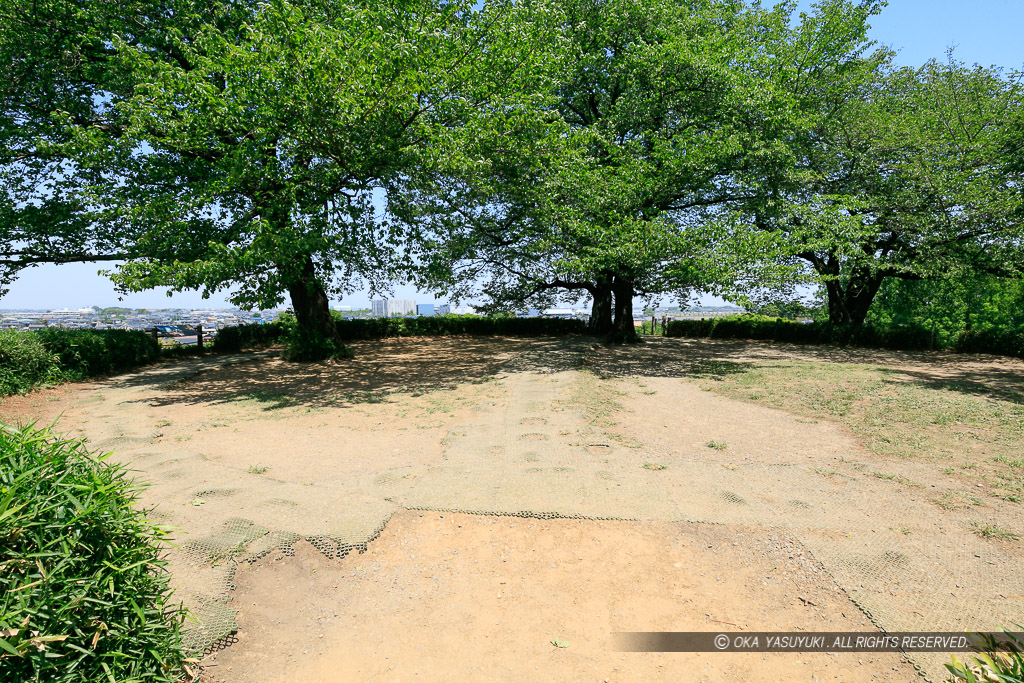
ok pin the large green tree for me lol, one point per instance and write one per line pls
(668, 112)
(238, 145)
(902, 177)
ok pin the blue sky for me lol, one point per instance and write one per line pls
(984, 31)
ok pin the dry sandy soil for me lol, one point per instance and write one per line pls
(359, 521)
(459, 597)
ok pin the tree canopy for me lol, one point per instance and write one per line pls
(666, 116)
(902, 179)
(520, 150)
(238, 145)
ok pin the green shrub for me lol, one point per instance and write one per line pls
(445, 325)
(910, 337)
(1000, 659)
(25, 362)
(302, 346)
(92, 353)
(990, 341)
(177, 351)
(83, 592)
(234, 339)
(30, 359)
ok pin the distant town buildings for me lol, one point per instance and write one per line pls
(389, 307)
(131, 319)
(424, 309)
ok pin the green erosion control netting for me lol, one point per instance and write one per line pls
(537, 440)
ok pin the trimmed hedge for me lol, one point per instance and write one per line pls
(990, 341)
(30, 359)
(445, 325)
(904, 337)
(92, 353)
(234, 339)
(84, 595)
(25, 362)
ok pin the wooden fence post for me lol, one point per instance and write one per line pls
(199, 337)
(156, 334)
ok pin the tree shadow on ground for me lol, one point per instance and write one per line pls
(655, 358)
(421, 365)
(380, 368)
(993, 376)
(994, 383)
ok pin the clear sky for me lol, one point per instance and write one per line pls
(984, 31)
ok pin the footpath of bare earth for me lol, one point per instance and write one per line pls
(445, 509)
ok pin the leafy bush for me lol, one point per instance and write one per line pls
(990, 341)
(29, 359)
(903, 337)
(443, 325)
(1000, 659)
(25, 362)
(305, 347)
(234, 339)
(302, 347)
(91, 353)
(83, 592)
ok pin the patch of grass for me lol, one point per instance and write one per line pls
(825, 473)
(993, 531)
(84, 592)
(654, 466)
(1016, 464)
(956, 500)
(1008, 497)
(163, 423)
(364, 397)
(257, 469)
(717, 445)
(898, 478)
(717, 370)
(978, 421)
(625, 441)
(270, 400)
(594, 397)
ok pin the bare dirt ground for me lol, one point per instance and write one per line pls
(454, 597)
(762, 486)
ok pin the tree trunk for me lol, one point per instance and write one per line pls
(837, 313)
(311, 305)
(850, 304)
(623, 329)
(601, 310)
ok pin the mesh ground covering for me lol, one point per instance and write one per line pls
(248, 454)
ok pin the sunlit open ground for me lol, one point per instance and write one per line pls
(445, 509)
